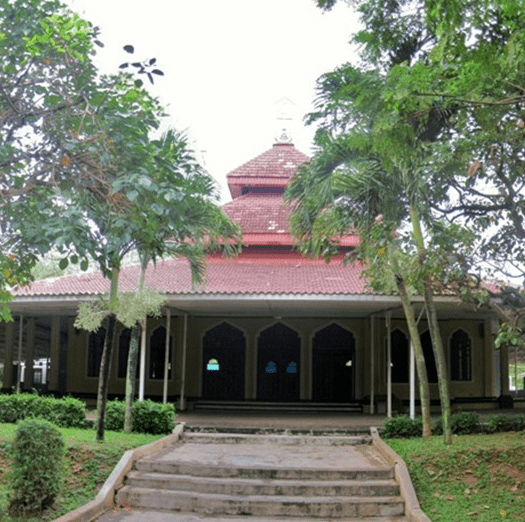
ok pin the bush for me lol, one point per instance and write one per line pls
(502, 422)
(115, 415)
(36, 471)
(17, 406)
(402, 426)
(461, 423)
(152, 417)
(67, 413)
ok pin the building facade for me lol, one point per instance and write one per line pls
(267, 327)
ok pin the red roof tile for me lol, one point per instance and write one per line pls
(295, 275)
(259, 213)
(271, 168)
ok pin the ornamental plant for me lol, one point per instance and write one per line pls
(37, 471)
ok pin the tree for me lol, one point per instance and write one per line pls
(37, 92)
(395, 109)
(83, 174)
(464, 61)
(341, 191)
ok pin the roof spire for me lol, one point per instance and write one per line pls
(284, 108)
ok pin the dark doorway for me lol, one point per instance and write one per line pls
(157, 354)
(223, 356)
(278, 368)
(333, 363)
(430, 361)
(400, 357)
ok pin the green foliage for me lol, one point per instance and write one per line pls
(131, 308)
(115, 415)
(37, 468)
(91, 314)
(87, 465)
(476, 478)
(152, 417)
(510, 334)
(146, 416)
(461, 423)
(134, 306)
(67, 412)
(401, 426)
(503, 422)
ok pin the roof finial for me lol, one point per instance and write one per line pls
(284, 109)
(283, 137)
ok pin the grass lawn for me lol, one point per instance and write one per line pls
(480, 478)
(88, 463)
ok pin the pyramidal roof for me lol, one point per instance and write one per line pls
(272, 168)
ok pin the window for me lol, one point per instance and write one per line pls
(213, 365)
(460, 356)
(95, 347)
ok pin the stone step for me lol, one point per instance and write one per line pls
(139, 515)
(288, 440)
(260, 472)
(214, 504)
(250, 487)
(288, 407)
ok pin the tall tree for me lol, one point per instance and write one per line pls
(82, 172)
(461, 64)
(390, 105)
(343, 191)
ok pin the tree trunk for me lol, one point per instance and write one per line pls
(107, 355)
(441, 365)
(433, 325)
(424, 389)
(103, 377)
(131, 372)
(133, 354)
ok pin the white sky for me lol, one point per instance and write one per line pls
(227, 63)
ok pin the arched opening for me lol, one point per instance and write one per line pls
(400, 357)
(460, 356)
(123, 353)
(157, 354)
(223, 355)
(278, 364)
(333, 365)
(95, 347)
(430, 361)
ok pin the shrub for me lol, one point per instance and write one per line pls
(152, 417)
(15, 407)
(402, 426)
(115, 415)
(502, 422)
(36, 471)
(68, 412)
(461, 423)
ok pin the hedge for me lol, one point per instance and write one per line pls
(66, 413)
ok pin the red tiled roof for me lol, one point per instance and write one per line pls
(259, 213)
(271, 168)
(250, 275)
(278, 162)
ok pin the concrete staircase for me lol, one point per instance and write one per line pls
(272, 475)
